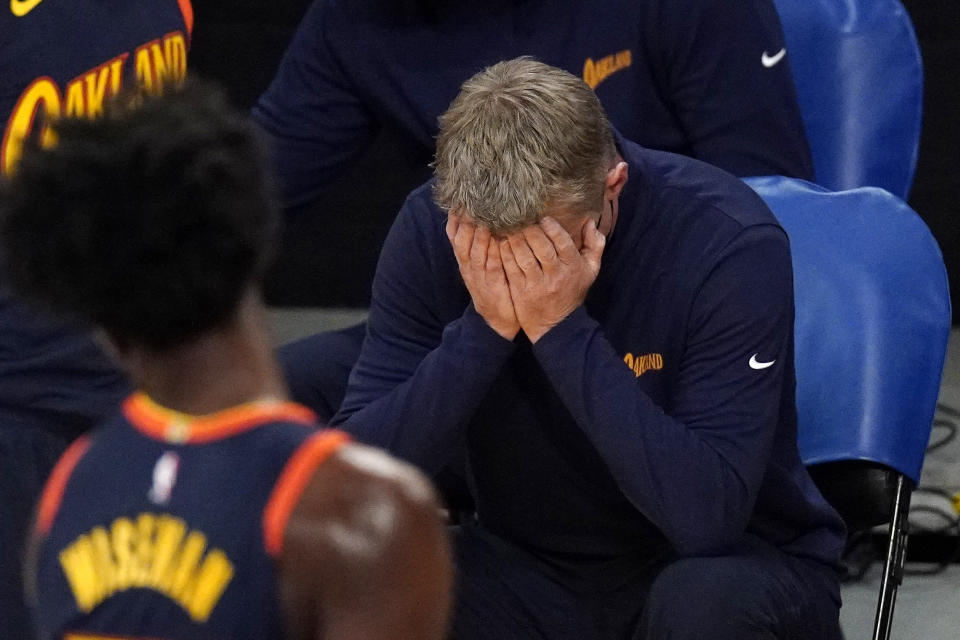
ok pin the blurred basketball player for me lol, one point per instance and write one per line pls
(210, 505)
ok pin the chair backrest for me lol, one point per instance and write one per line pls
(872, 322)
(859, 78)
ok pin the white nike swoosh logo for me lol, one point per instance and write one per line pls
(771, 61)
(756, 364)
(21, 8)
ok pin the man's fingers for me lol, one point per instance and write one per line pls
(540, 245)
(562, 242)
(478, 249)
(509, 260)
(523, 255)
(463, 241)
(453, 223)
(494, 261)
(593, 244)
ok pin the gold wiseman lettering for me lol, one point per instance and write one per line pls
(157, 552)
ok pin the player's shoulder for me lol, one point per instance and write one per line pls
(367, 528)
(369, 502)
(370, 474)
(385, 501)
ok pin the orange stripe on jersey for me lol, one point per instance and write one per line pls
(293, 480)
(173, 426)
(57, 484)
(187, 10)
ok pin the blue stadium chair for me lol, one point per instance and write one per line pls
(872, 322)
(859, 77)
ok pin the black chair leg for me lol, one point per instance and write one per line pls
(896, 554)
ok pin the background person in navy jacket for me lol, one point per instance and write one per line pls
(609, 329)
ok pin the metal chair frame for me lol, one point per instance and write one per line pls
(896, 556)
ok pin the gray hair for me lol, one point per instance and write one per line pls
(522, 136)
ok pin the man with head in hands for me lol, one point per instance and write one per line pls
(609, 330)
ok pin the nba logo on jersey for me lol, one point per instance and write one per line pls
(164, 477)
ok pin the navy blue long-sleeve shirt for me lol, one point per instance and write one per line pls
(658, 416)
(705, 78)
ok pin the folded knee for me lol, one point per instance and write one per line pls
(708, 598)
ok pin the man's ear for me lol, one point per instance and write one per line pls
(615, 181)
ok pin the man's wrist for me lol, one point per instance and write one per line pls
(534, 333)
(574, 320)
(504, 329)
(506, 334)
(477, 320)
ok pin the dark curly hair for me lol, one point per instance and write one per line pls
(149, 222)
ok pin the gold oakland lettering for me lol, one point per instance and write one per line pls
(596, 72)
(641, 364)
(156, 63)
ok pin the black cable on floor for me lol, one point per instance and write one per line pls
(948, 424)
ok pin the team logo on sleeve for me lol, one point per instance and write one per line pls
(771, 61)
(596, 71)
(641, 364)
(756, 364)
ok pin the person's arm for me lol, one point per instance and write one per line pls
(723, 68)
(364, 553)
(694, 473)
(429, 357)
(314, 118)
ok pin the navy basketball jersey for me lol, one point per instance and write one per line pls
(61, 58)
(67, 57)
(166, 526)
